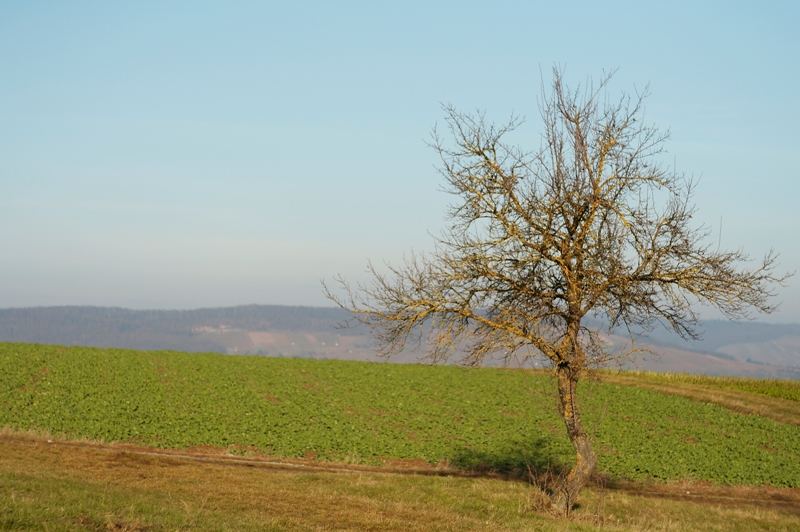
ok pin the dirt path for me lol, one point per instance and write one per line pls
(781, 410)
(756, 496)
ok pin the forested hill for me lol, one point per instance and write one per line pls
(740, 348)
(206, 329)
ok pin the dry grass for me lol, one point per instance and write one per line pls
(61, 487)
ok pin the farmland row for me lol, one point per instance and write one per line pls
(369, 413)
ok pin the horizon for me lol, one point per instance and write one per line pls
(334, 307)
(193, 156)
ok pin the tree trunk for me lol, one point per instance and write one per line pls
(585, 459)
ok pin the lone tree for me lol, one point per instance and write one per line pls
(592, 223)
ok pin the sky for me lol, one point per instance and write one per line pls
(197, 154)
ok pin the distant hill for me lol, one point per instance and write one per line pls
(761, 343)
(727, 348)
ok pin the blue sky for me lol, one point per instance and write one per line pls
(186, 154)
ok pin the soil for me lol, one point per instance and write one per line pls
(700, 492)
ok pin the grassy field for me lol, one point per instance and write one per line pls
(781, 389)
(48, 486)
(772, 399)
(367, 413)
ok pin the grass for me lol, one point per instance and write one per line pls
(52, 487)
(372, 413)
(769, 398)
(780, 389)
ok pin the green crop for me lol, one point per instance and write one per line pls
(373, 412)
(781, 389)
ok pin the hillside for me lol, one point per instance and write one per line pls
(761, 343)
(467, 418)
(214, 329)
(748, 348)
(111, 439)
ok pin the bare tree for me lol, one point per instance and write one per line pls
(590, 224)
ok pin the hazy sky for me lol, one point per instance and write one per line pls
(186, 154)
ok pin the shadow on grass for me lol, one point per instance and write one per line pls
(517, 462)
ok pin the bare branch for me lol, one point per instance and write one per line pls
(590, 222)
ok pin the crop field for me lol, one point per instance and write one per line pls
(781, 389)
(372, 413)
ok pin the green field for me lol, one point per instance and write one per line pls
(780, 389)
(371, 413)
